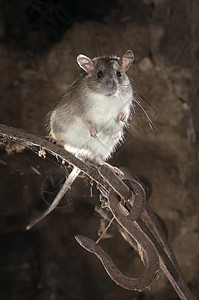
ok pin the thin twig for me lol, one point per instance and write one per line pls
(68, 182)
(105, 230)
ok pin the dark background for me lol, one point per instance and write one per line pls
(39, 42)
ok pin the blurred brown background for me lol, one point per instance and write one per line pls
(39, 42)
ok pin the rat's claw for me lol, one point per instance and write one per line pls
(54, 141)
(118, 171)
(93, 132)
(122, 117)
(115, 169)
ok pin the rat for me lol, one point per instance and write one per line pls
(91, 116)
(89, 120)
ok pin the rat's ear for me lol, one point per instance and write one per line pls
(85, 63)
(127, 59)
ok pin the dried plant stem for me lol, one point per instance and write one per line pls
(68, 182)
(105, 230)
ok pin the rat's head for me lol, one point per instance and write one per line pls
(107, 74)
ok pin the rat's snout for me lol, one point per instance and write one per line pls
(110, 85)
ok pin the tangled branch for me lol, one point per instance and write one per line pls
(126, 202)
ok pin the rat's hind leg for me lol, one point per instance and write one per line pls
(101, 162)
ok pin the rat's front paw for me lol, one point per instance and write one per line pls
(122, 117)
(93, 132)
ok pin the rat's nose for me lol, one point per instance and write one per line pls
(110, 85)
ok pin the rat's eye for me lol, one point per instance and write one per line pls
(119, 74)
(99, 74)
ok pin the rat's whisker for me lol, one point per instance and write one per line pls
(150, 122)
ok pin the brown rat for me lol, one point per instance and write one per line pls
(92, 113)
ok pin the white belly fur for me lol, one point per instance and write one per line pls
(104, 112)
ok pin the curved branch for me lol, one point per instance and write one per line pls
(31, 140)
